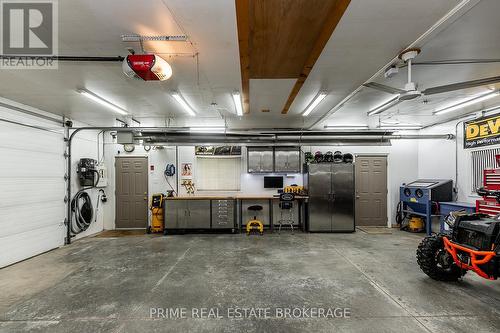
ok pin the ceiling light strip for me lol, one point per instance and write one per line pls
(384, 106)
(347, 127)
(321, 95)
(238, 103)
(207, 129)
(401, 127)
(466, 103)
(102, 101)
(183, 103)
(160, 38)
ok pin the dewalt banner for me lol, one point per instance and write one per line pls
(482, 132)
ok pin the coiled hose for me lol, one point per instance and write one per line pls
(82, 208)
(83, 211)
(400, 218)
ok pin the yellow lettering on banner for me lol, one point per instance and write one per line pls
(494, 126)
(472, 131)
(483, 130)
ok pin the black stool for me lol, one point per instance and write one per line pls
(286, 205)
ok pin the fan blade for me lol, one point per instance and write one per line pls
(384, 88)
(461, 85)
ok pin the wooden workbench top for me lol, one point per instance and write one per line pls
(237, 197)
(195, 197)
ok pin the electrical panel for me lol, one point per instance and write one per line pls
(124, 137)
(103, 176)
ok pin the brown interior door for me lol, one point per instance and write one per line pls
(371, 190)
(131, 178)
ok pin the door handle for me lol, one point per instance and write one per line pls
(145, 198)
(357, 197)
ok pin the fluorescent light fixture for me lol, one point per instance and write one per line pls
(347, 127)
(207, 129)
(238, 103)
(321, 95)
(102, 101)
(401, 127)
(384, 106)
(468, 102)
(183, 103)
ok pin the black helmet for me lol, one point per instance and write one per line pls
(328, 157)
(318, 157)
(348, 158)
(337, 157)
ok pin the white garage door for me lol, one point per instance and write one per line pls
(32, 188)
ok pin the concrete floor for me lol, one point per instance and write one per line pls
(110, 285)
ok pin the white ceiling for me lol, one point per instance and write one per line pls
(369, 35)
(473, 36)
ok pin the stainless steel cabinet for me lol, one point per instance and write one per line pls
(175, 214)
(197, 217)
(223, 214)
(187, 214)
(260, 160)
(331, 197)
(287, 160)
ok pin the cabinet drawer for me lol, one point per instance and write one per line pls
(223, 214)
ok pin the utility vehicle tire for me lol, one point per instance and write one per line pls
(435, 261)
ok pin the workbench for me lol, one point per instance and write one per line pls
(185, 216)
(270, 199)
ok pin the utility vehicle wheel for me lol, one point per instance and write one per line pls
(435, 261)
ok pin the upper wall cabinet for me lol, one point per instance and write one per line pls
(260, 160)
(287, 159)
(268, 159)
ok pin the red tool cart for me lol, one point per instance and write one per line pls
(491, 182)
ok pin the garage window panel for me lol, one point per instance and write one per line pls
(218, 173)
(481, 160)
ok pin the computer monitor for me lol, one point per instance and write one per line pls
(273, 182)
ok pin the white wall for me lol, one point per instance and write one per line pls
(84, 145)
(157, 158)
(437, 159)
(402, 167)
(251, 184)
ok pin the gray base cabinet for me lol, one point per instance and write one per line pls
(187, 214)
(200, 214)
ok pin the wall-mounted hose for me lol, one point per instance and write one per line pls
(82, 208)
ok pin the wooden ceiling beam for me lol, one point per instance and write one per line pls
(333, 19)
(243, 23)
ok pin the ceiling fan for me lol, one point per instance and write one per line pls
(411, 91)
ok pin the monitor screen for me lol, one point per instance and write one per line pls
(273, 182)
